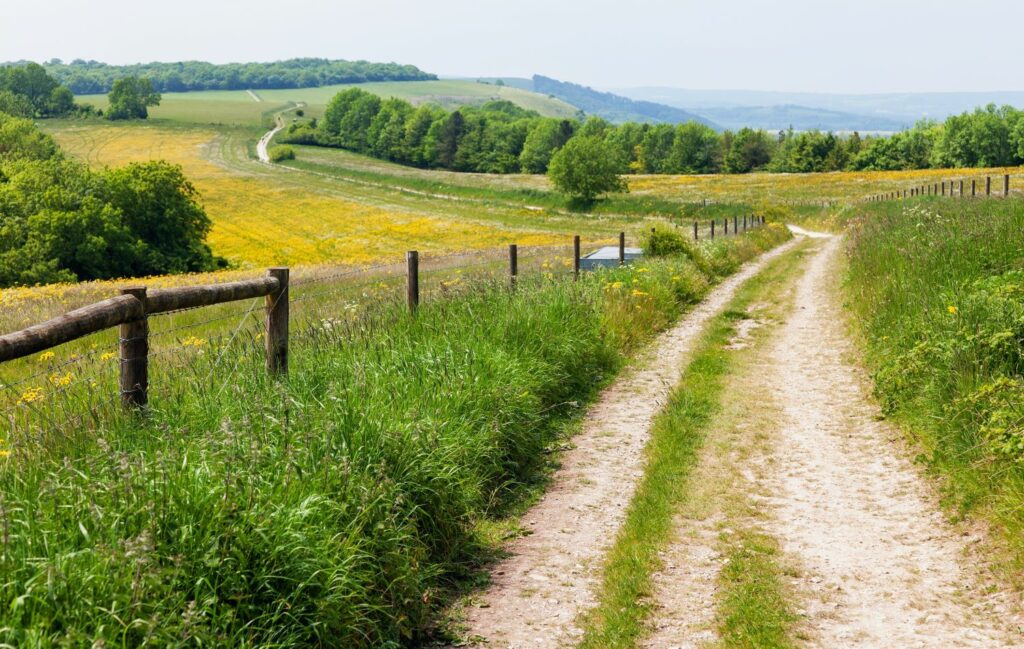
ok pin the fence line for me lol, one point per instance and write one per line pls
(131, 311)
(940, 189)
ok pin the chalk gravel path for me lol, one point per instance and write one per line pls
(551, 575)
(882, 566)
(264, 143)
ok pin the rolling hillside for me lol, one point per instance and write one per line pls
(863, 111)
(612, 107)
(245, 107)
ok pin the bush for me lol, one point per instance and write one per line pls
(664, 241)
(281, 152)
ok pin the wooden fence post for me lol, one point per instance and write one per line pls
(695, 236)
(961, 189)
(974, 188)
(988, 185)
(134, 351)
(277, 324)
(735, 223)
(725, 226)
(712, 228)
(513, 264)
(622, 249)
(576, 258)
(412, 261)
(943, 187)
(1006, 185)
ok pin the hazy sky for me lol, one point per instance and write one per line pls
(794, 45)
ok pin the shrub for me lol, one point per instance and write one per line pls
(281, 152)
(663, 241)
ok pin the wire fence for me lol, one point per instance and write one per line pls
(71, 384)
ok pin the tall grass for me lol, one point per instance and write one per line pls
(939, 289)
(333, 508)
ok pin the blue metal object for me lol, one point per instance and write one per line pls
(608, 257)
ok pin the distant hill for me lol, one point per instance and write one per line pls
(93, 77)
(613, 107)
(801, 118)
(905, 108)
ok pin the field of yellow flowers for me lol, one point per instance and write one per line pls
(261, 219)
(837, 186)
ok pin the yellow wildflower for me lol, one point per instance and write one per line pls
(637, 293)
(60, 381)
(951, 309)
(46, 356)
(107, 356)
(31, 395)
(192, 341)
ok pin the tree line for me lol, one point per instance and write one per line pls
(500, 137)
(93, 77)
(29, 91)
(62, 222)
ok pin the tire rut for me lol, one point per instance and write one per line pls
(552, 573)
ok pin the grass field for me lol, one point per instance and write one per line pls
(239, 107)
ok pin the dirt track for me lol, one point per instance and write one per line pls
(878, 563)
(881, 565)
(550, 577)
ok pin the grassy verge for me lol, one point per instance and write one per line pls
(334, 508)
(753, 606)
(937, 288)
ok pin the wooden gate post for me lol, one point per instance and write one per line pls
(576, 258)
(277, 323)
(412, 262)
(133, 345)
(513, 264)
(622, 249)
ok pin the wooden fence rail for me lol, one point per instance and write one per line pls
(130, 312)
